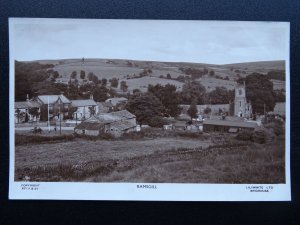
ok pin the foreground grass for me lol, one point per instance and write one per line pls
(153, 160)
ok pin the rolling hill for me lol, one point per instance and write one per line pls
(133, 71)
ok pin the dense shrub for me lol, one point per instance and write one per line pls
(278, 128)
(244, 136)
(156, 121)
(259, 136)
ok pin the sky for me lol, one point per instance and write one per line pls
(212, 42)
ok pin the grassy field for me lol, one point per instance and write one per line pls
(109, 68)
(160, 159)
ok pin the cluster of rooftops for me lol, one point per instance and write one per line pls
(52, 99)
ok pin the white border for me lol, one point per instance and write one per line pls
(129, 191)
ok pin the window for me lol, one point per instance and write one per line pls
(240, 91)
(240, 104)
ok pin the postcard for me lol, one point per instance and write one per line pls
(154, 110)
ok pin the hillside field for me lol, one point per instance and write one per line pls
(130, 70)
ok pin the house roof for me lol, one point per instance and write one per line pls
(86, 125)
(123, 114)
(111, 117)
(26, 104)
(230, 123)
(115, 101)
(105, 104)
(83, 102)
(53, 99)
(122, 125)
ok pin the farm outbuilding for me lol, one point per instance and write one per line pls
(89, 128)
(227, 126)
(115, 123)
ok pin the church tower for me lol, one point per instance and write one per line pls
(241, 107)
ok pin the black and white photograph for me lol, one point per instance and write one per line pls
(199, 108)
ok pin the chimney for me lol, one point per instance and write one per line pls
(91, 96)
(27, 97)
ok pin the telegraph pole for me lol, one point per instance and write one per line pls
(48, 116)
(60, 119)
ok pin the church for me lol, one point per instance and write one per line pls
(242, 108)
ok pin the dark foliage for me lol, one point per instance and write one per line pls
(259, 90)
(168, 96)
(145, 106)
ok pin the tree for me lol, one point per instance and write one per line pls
(259, 91)
(71, 112)
(73, 91)
(156, 121)
(35, 112)
(168, 96)
(145, 107)
(55, 74)
(192, 111)
(169, 76)
(92, 110)
(74, 75)
(207, 110)
(136, 91)
(221, 96)
(193, 91)
(82, 74)
(211, 73)
(104, 81)
(123, 86)
(18, 112)
(100, 93)
(26, 117)
(114, 82)
(92, 77)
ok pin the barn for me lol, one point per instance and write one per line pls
(115, 123)
(90, 128)
(227, 126)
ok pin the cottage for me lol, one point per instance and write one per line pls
(85, 108)
(54, 104)
(27, 111)
(227, 125)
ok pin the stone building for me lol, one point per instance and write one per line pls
(242, 107)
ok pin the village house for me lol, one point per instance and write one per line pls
(85, 108)
(115, 123)
(55, 104)
(27, 111)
